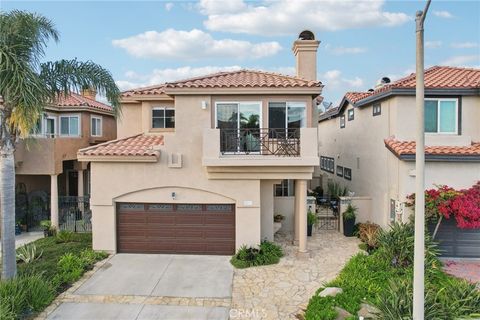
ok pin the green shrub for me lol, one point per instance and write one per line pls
(311, 218)
(23, 295)
(350, 213)
(90, 257)
(39, 292)
(13, 296)
(397, 245)
(70, 269)
(321, 308)
(267, 253)
(28, 253)
(65, 236)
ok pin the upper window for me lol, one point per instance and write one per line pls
(69, 125)
(342, 121)
(163, 118)
(96, 126)
(285, 189)
(350, 114)
(287, 115)
(441, 115)
(327, 164)
(377, 109)
(347, 173)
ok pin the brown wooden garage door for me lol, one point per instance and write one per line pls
(176, 228)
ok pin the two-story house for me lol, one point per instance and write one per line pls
(367, 142)
(196, 162)
(46, 163)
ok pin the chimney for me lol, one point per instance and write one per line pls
(305, 50)
(89, 93)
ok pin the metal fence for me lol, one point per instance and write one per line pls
(264, 141)
(328, 213)
(74, 214)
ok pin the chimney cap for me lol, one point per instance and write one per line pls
(306, 35)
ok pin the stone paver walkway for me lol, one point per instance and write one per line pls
(280, 291)
(465, 269)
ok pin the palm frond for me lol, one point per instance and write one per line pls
(26, 34)
(65, 76)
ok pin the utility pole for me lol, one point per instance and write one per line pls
(419, 255)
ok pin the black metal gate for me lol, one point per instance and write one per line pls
(328, 213)
(74, 214)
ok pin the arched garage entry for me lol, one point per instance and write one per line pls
(175, 220)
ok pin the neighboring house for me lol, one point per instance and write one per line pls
(46, 163)
(196, 163)
(367, 142)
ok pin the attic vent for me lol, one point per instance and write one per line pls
(306, 35)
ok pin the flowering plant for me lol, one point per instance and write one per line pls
(445, 202)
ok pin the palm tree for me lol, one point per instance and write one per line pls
(26, 86)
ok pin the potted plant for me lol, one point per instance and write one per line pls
(349, 216)
(311, 220)
(48, 229)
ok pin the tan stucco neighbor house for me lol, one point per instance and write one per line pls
(196, 161)
(46, 163)
(367, 142)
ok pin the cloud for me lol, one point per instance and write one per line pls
(464, 45)
(344, 50)
(192, 45)
(462, 60)
(333, 79)
(289, 17)
(169, 6)
(443, 14)
(433, 44)
(133, 79)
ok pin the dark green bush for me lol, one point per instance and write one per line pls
(267, 253)
(384, 278)
(70, 269)
(65, 236)
(321, 309)
(23, 295)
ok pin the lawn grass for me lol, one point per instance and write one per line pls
(52, 251)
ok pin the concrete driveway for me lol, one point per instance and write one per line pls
(153, 286)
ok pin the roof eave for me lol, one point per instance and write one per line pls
(236, 90)
(411, 91)
(442, 158)
(104, 158)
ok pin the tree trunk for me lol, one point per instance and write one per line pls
(7, 211)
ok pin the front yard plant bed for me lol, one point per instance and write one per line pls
(62, 262)
(267, 253)
(384, 279)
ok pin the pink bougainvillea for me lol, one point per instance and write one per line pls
(463, 205)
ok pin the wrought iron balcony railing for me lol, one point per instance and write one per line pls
(263, 141)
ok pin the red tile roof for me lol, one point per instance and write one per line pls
(139, 145)
(402, 148)
(437, 77)
(231, 79)
(77, 100)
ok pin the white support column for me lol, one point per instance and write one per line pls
(80, 183)
(301, 213)
(54, 200)
(296, 228)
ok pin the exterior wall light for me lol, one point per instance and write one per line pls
(204, 104)
(174, 195)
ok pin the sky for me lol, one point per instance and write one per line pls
(151, 42)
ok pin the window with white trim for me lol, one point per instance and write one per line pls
(377, 109)
(290, 116)
(285, 189)
(342, 121)
(96, 126)
(70, 126)
(350, 113)
(441, 115)
(163, 117)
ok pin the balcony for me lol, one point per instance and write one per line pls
(260, 141)
(260, 148)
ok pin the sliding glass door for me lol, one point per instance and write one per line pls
(239, 124)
